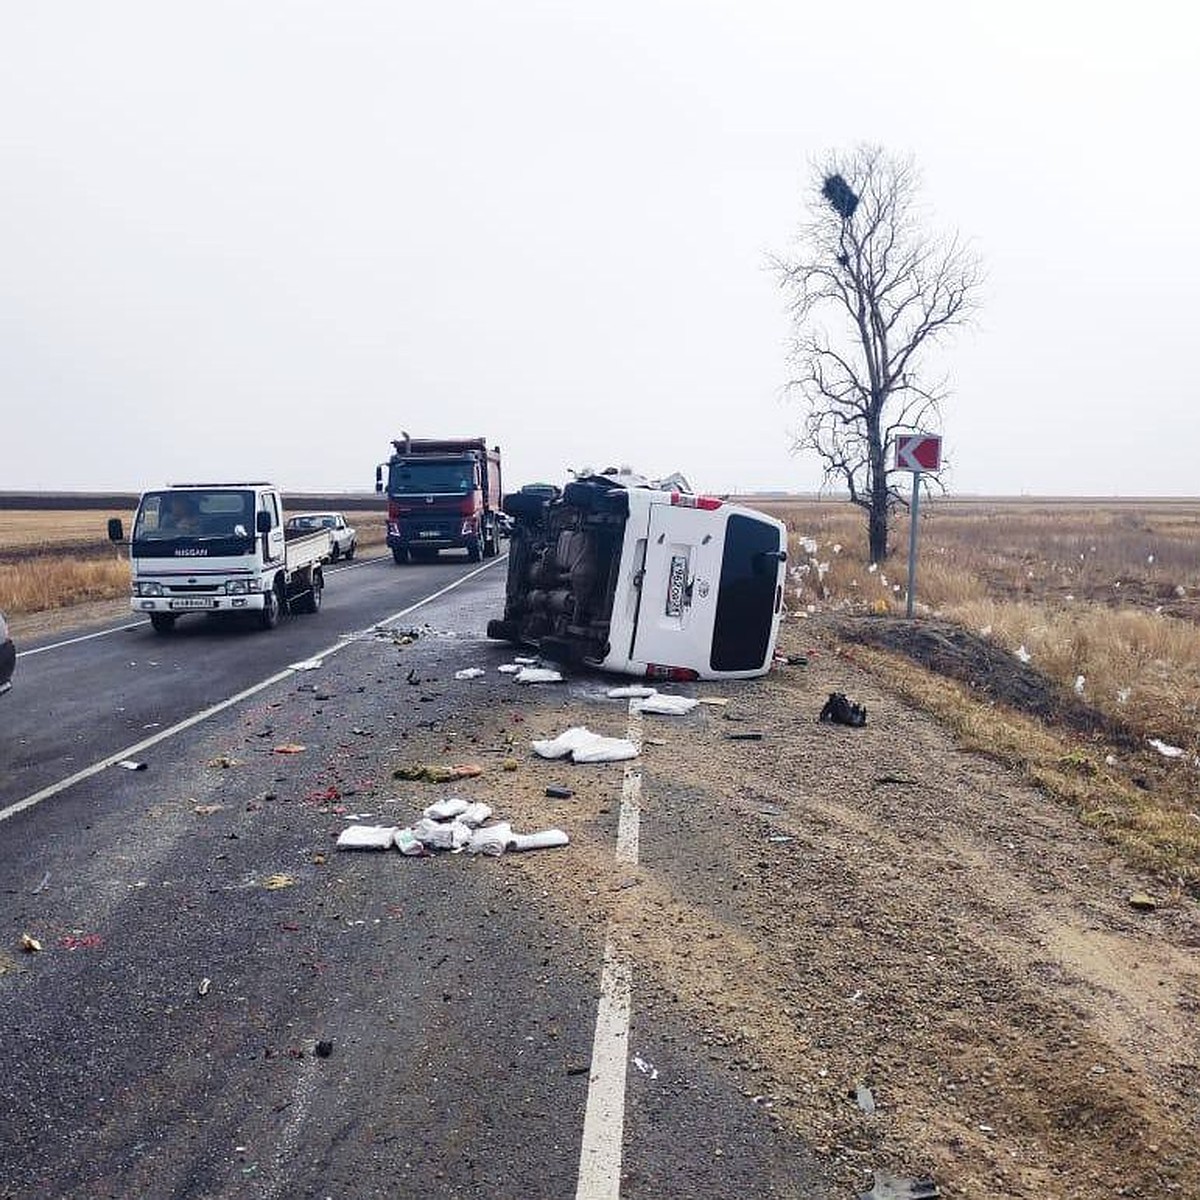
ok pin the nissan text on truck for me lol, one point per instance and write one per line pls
(441, 493)
(220, 548)
(644, 580)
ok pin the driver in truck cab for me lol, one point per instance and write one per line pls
(180, 516)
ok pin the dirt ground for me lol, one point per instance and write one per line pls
(854, 919)
(847, 918)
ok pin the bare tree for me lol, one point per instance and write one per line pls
(892, 289)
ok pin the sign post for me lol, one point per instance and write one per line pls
(916, 452)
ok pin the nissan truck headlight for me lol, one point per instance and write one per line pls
(149, 589)
(236, 587)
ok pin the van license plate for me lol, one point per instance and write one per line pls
(429, 533)
(676, 585)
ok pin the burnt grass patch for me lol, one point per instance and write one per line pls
(990, 670)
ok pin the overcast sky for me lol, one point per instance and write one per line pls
(258, 239)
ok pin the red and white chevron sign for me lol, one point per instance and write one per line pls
(918, 452)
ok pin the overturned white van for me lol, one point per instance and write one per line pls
(624, 576)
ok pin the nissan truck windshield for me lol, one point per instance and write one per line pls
(746, 599)
(223, 516)
(453, 477)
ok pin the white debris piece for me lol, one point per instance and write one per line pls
(537, 675)
(508, 668)
(1166, 750)
(491, 840)
(524, 662)
(309, 664)
(1080, 680)
(475, 814)
(496, 839)
(408, 843)
(441, 835)
(633, 691)
(666, 706)
(583, 746)
(1023, 654)
(367, 837)
(469, 673)
(446, 810)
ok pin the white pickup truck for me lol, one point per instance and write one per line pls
(646, 580)
(220, 548)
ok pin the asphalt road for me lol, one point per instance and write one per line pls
(224, 1006)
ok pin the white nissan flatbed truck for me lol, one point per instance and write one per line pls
(220, 549)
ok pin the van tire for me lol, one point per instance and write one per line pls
(399, 555)
(474, 552)
(163, 622)
(268, 616)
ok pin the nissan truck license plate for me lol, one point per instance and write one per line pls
(429, 533)
(676, 585)
(194, 602)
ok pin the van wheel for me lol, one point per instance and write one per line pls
(399, 556)
(350, 551)
(162, 622)
(474, 554)
(268, 617)
(333, 552)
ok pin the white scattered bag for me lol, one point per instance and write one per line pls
(469, 673)
(508, 668)
(1165, 748)
(633, 691)
(441, 835)
(524, 662)
(475, 814)
(367, 837)
(407, 843)
(545, 839)
(561, 746)
(584, 746)
(493, 839)
(537, 675)
(447, 810)
(666, 706)
(604, 749)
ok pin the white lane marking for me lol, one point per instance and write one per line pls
(87, 637)
(196, 718)
(604, 1118)
(629, 821)
(604, 1121)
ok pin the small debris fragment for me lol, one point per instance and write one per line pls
(224, 762)
(665, 706)
(290, 748)
(714, 701)
(205, 984)
(646, 1068)
(839, 710)
(1142, 900)
(309, 664)
(559, 793)
(538, 675)
(434, 773)
(744, 737)
(893, 1187)
(324, 1049)
(1166, 750)
(469, 673)
(206, 810)
(41, 887)
(864, 1098)
(130, 765)
(631, 691)
(274, 883)
(30, 944)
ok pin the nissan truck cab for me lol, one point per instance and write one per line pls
(220, 549)
(624, 576)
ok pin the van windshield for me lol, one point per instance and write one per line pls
(421, 478)
(746, 599)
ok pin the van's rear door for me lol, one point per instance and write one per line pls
(679, 587)
(750, 594)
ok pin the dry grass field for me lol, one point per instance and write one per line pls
(1061, 637)
(58, 559)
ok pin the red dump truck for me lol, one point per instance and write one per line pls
(442, 493)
